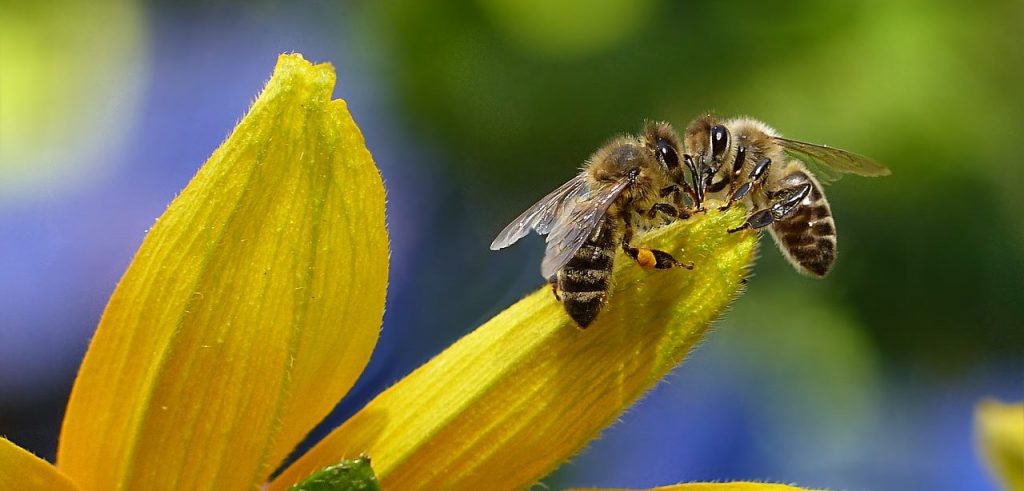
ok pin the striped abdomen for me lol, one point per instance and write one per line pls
(583, 282)
(807, 236)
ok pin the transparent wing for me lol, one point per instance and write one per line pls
(542, 214)
(576, 223)
(832, 160)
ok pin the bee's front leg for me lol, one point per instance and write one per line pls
(676, 192)
(677, 209)
(733, 178)
(756, 178)
(667, 209)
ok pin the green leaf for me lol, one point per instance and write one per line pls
(349, 475)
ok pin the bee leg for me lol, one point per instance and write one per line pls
(664, 260)
(665, 208)
(681, 209)
(737, 167)
(667, 191)
(709, 184)
(676, 195)
(554, 287)
(644, 257)
(676, 192)
(756, 178)
(647, 258)
(718, 185)
(756, 220)
(737, 195)
(733, 178)
(783, 203)
(692, 195)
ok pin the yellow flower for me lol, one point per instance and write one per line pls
(256, 299)
(999, 429)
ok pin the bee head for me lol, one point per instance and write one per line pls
(707, 143)
(707, 140)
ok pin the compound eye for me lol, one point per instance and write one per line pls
(719, 140)
(667, 154)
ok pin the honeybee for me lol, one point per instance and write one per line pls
(746, 160)
(625, 184)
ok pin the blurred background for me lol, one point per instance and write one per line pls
(475, 109)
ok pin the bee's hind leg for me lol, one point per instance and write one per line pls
(654, 258)
(647, 258)
(756, 220)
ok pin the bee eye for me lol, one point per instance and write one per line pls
(719, 140)
(667, 154)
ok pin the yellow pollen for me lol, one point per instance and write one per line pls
(645, 258)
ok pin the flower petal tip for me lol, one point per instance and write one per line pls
(249, 310)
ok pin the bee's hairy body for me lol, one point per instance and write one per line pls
(583, 283)
(807, 235)
(632, 180)
(625, 184)
(752, 166)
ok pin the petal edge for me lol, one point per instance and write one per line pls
(21, 470)
(258, 292)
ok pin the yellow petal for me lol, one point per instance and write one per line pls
(249, 310)
(999, 429)
(712, 486)
(21, 470)
(509, 402)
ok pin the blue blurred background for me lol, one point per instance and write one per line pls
(474, 109)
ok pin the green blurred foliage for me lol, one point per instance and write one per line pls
(542, 27)
(931, 259)
(69, 73)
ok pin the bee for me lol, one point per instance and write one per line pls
(746, 160)
(625, 184)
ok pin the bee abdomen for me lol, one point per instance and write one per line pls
(808, 235)
(584, 280)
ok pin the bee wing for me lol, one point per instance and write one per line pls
(832, 160)
(576, 223)
(542, 214)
